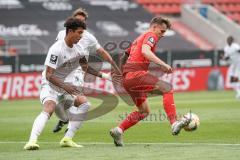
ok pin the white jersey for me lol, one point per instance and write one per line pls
(232, 52)
(63, 59)
(88, 42)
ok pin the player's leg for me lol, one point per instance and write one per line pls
(77, 114)
(232, 77)
(65, 102)
(62, 115)
(170, 108)
(49, 102)
(137, 87)
(59, 126)
(235, 79)
(132, 119)
(168, 99)
(150, 83)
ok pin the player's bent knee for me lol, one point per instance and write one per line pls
(163, 86)
(144, 110)
(146, 113)
(79, 100)
(80, 113)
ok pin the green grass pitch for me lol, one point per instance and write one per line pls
(218, 137)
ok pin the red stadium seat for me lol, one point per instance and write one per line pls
(229, 7)
(173, 6)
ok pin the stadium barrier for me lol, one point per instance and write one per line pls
(27, 85)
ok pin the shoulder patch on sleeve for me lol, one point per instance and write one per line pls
(53, 59)
(151, 40)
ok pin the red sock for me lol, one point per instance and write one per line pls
(131, 120)
(169, 106)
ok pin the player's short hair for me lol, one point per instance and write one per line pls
(73, 24)
(81, 12)
(160, 20)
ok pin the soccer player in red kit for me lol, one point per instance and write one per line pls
(138, 81)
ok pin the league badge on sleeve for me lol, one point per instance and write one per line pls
(151, 40)
(53, 59)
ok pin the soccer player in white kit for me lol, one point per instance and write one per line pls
(88, 42)
(62, 58)
(232, 54)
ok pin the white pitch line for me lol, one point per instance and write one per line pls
(105, 143)
(203, 101)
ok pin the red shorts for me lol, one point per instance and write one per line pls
(138, 84)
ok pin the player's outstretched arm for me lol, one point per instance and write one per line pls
(92, 71)
(146, 50)
(96, 73)
(59, 83)
(106, 56)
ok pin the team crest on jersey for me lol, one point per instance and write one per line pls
(53, 59)
(151, 39)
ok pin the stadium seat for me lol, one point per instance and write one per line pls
(229, 7)
(162, 6)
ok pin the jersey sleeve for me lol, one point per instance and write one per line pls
(82, 53)
(93, 42)
(150, 39)
(237, 47)
(61, 35)
(52, 58)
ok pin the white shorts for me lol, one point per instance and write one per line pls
(234, 70)
(75, 78)
(48, 93)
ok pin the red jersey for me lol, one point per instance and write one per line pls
(136, 60)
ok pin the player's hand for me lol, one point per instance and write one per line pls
(106, 76)
(72, 90)
(167, 68)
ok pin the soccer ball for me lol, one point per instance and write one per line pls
(194, 122)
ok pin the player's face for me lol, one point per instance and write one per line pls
(229, 40)
(76, 35)
(81, 18)
(160, 29)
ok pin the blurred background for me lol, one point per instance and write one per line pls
(193, 46)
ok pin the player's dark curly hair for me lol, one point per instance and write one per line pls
(160, 20)
(73, 24)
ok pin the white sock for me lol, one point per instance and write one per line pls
(73, 126)
(77, 116)
(238, 88)
(38, 125)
